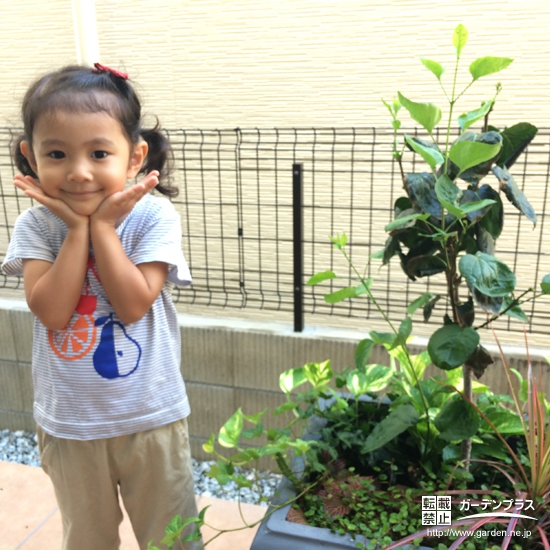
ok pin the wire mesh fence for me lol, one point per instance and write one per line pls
(236, 203)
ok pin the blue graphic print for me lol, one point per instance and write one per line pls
(117, 354)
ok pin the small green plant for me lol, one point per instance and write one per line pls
(448, 222)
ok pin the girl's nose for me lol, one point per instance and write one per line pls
(79, 171)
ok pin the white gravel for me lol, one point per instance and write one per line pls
(22, 448)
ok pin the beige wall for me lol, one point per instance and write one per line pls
(265, 63)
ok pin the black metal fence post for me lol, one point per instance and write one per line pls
(298, 239)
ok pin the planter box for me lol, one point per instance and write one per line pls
(275, 533)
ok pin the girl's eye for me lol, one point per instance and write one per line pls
(56, 154)
(99, 154)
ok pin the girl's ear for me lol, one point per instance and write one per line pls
(137, 157)
(25, 148)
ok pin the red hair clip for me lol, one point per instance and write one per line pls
(103, 69)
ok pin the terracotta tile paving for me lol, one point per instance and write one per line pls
(30, 520)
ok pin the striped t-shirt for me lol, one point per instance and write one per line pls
(100, 377)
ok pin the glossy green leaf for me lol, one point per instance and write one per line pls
(515, 139)
(467, 119)
(362, 352)
(291, 379)
(457, 420)
(489, 275)
(466, 154)
(488, 65)
(504, 420)
(421, 301)
(432, 156)
(390, 427)
(433, 66)
(231, 431)
(545, 284)
(429, 307)
(421, 190)
(513, 193)
(450, 346)
(427, 115)
(493, 221)
(320, 277)
(460, 38)
(515, 311)
(446, 190)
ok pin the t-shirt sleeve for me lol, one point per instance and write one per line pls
(161, 242)
(29, 240)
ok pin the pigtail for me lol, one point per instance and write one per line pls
(20, 159)
(159, 157)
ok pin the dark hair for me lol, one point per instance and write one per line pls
(82, 89)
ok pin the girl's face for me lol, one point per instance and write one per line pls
(82, 158)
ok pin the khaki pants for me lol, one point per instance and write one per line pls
(152, 469)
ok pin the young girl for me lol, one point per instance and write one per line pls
(98, 261)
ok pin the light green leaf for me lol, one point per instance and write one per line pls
(427, 115)
(291, 379)
(318, 374)
(432, 156)
(421, 301)
(404, 220)
(339, 241)
(231, 431)
(254, 418)
(489, 275)
(340, 295)
(460, 37)
(208, 447)
(320, 277)
(466, 154)
(375, 378)
(488, 65)
(433, 66)
(364, 288)
(476, 205)
(467, 119)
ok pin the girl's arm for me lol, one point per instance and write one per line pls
(131, 289)
(53, 289)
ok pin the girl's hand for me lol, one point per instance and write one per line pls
(32, 189)
(118, 205)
